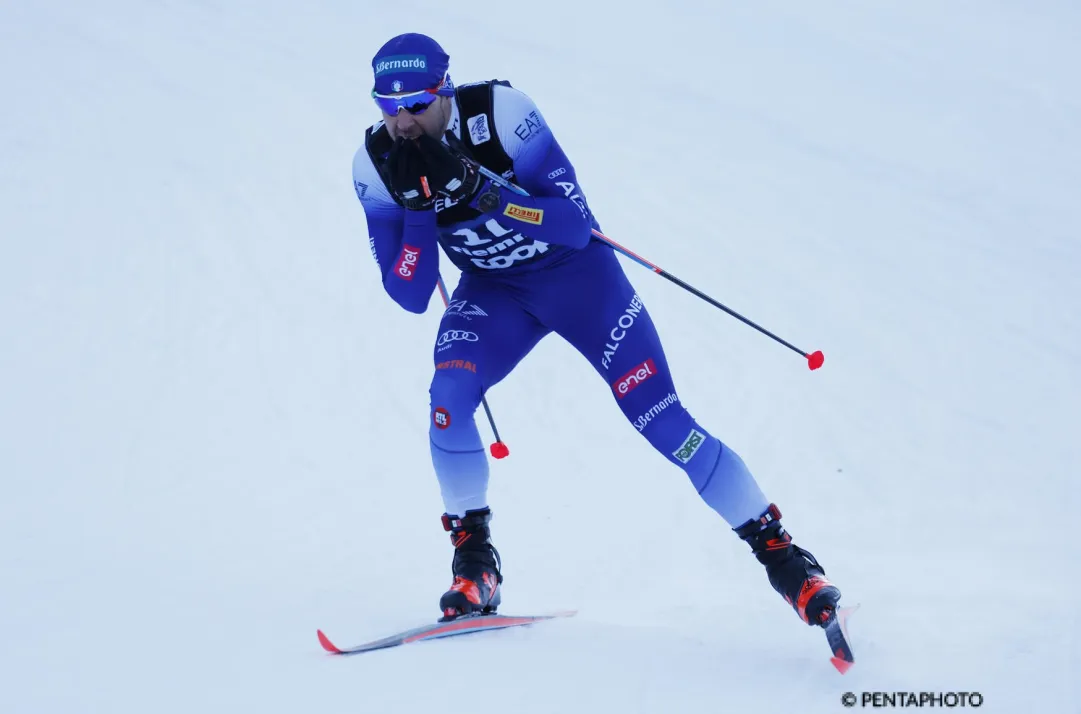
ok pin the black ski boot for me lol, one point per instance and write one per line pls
(475, 567)
(792, 571)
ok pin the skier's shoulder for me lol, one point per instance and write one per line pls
(513, 115)
(367, 182)
(517, 117)
(508, 100)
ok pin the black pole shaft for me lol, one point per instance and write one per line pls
(484, 401)
(814, 360)
(695, 291)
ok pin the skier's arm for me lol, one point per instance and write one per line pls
(406, 249)
(404, 243)
(556, 210)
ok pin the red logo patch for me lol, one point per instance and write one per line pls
(441, 418)
(407, 262)
(632, 379)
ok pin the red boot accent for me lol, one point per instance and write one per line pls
(811, 586)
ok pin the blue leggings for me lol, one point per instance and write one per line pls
(493, 321)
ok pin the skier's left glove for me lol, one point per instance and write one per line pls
(448, 173)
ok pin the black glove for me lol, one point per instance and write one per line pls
(449, 174)
(405, 169)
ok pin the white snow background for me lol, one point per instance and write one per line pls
(213, 422)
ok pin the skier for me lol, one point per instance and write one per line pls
(529, 268)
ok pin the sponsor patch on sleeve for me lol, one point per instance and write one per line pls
(407, 262)
(526, 215)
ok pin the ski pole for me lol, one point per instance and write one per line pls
(814, 359)
(498, 449)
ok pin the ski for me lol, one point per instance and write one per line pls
(836, 628)
(459, 626)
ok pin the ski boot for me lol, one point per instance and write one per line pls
(792, 571)
(476, 567)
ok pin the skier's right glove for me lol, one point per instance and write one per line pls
(406, 169)
(448, 173)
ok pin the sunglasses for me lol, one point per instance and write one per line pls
(414, 102)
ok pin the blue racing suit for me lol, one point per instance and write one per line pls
(530, 268)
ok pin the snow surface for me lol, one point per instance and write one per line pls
(213, 421)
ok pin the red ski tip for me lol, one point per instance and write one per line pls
(500, 450)
(842, 665)
(815, 359)
(327, 644)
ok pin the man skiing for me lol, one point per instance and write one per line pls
(529, 268)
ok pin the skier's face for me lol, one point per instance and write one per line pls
(432, 121)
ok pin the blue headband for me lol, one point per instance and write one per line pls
(410, 63)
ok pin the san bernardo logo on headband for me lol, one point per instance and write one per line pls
(401, 63)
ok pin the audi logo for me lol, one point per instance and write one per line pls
(454, 335)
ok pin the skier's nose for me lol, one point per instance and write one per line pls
(405, 123)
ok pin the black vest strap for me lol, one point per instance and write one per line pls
(473, 101)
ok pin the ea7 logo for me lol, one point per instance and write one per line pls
(464, 309)
(407, 262)
(529, 128)
(690, 446)
(631, 380)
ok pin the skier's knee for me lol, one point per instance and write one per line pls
(454, 397)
